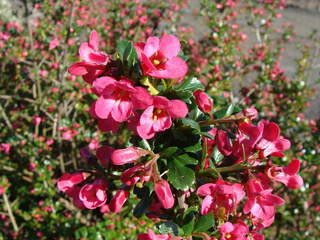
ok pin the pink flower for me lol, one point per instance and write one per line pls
(5, 147)
(287, 175)
(159, 57)
(164, 194)
(53, 43)
(203, 101)
(157, 117)
(251, 113)
(36, 120)
(271, 143)
(94, 61)
(127, 155)
(152, 236)
(219, 196)
(236, 231)
(107, 125)
(261, 202)
(74, 194)
(94, 194)
(118, 200)
(89, 51)
(118, 98)
(67, 181)
(104, 155)
(67, 135)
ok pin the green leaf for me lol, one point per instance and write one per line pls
(217, 155)
(224, 112)
(179, 175)
(193, 148)
(189, 225)
(168, 152)
(186, 159)
(141, 207)
(121, 48)
(127, 52)
(190, 123)
(204, 223)
(169, 227)
(184, 95)
(190, 84)
(208, 135)
(144, 144)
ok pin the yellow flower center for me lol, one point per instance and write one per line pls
(156, 62)
(228, 235)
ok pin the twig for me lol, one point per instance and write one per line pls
(12, 218)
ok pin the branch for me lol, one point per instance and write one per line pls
(12, 218)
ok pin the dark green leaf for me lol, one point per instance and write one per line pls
(184, 95)
(204, 223)
(127, 52)
(208, 135)
(224, 112)
(168, 152)
(190, 84)
(194, 148)
(141, 207)
(121, 48)
(187, 160)
(190, 123)
(179, 175)
(189, 223)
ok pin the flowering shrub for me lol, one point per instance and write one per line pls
(176, 152)
(159, 154)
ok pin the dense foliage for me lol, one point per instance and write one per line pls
(157, 139)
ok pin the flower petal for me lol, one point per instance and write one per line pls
(122, 110)
(169, 46)
(78, 69)
(151, 46)
(94, 40)
(177, 109)
(103, 107)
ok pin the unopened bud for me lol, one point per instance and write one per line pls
(127, 155)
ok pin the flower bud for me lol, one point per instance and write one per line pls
(250, 113)
(118, 200)
(127, 155)
(103, 154)
(203, 101)
(223, 143)
(164, 194)
(67, 181)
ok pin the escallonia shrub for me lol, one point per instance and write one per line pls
(198, 170)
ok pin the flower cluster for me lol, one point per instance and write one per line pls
(180, 148)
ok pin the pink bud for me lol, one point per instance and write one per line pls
(67, 180)
(118, 200)
(104, 154)
(223, 143)
(251, 113)
(164, 194)
(127, 155)
(36, 120)
(203, 101)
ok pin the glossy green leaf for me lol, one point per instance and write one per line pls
(204, 223)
